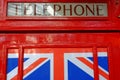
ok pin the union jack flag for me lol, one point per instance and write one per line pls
(103, 65)
(79, 66)
(58, 64)
(36, 66)
(12, 65)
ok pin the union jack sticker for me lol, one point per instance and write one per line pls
(103, 65)
(12, 66)
(35, 67)
(79, 66)
(73, 64)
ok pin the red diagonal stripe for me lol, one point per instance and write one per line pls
(104, 74)
(86, 62)
(15, 78)
(32, 66)
(91, 66)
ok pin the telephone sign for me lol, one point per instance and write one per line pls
(58, 9)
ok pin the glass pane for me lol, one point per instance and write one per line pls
(103, 64)
(12, 64)
(79, 64)
(37, 65)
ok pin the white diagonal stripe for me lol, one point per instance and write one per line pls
(72, 58)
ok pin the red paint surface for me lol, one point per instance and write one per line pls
(14, 24)
(61, 33)
(59, 43)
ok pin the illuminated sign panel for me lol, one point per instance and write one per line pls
(57, 9)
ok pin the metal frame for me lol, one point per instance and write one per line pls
(21, 53)
(23, 45)
(111, 23)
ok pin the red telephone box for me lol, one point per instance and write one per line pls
(59, 40)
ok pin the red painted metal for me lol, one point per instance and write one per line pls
(63, 40)
(69, 33)
(112, 23)
(95, 63)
